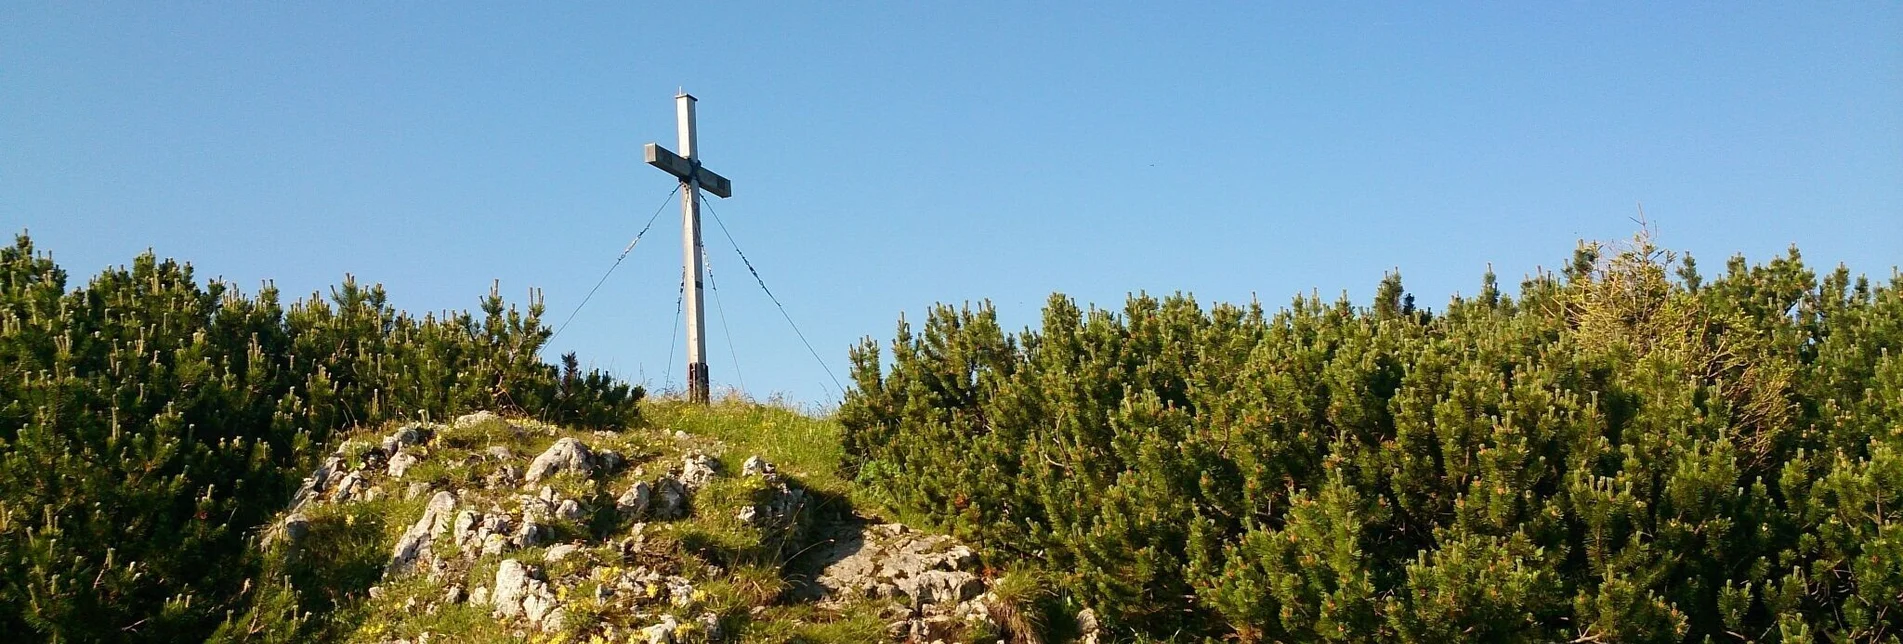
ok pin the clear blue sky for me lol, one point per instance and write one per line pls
(886, 156)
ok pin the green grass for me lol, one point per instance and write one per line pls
(738, 569)
(804, 447)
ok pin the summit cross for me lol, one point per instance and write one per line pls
(694, 178)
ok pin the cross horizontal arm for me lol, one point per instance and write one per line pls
(681, 168)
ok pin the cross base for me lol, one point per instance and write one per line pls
(697, 383)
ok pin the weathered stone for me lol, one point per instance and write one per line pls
(559, 552)
(609, 461)
(748, 515)
(499, 452)
(940, 587)
(475, 419)
(505, 476)
(670, 499)
(680, 592)
(697, 470)
(890, 562)
(569, 510)
(662, 633)
(1087, 627)
(416, 489)
(495, 544)
(566, 455)
(554, 620)
(756, 466)
(463, 529)
(401, 463)
(415, 542)
(317, 482)
(977, 612)
(520, 591)
(454, 595)
(294, 527)
(709, 625)
(635, 501)
(530, 534)
(535, 508)
(349, 488)
(407, 435)
(537, 605)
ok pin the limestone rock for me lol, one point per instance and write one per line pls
(1088, 629)
(401, 463)
(495, 544)
(520, 591)
(294, 527)
(530, 534)
(635, 501)
(697, 470)
(939, 587)
(554, 620)
(505, 476)
(537, 508)
(609, 461)
(569, 510)
(890, 562)
(475, 419)
(559, 552)
(566, 455)
(670, 499)
(662, 633)
(756, 466)
(710, 625)
(407, 435)
(415, 543)
(349, 488)
(317, 482)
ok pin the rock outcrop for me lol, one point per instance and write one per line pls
(609, 527)
(566, 455)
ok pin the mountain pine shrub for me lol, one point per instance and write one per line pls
(1623, 452)
(149, 423)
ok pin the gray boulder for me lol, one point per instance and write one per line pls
(697, 470)
(566, 455)
(635, 501)
(401, 464)
(415, 543)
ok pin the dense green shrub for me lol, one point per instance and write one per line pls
(150, 423)
(1617, 454)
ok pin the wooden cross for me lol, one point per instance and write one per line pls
(694, 178)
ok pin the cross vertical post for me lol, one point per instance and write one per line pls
(690, 256)
(694, 178)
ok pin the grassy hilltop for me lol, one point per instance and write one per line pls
(617, 574)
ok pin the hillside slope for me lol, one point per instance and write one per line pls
(493, 529)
